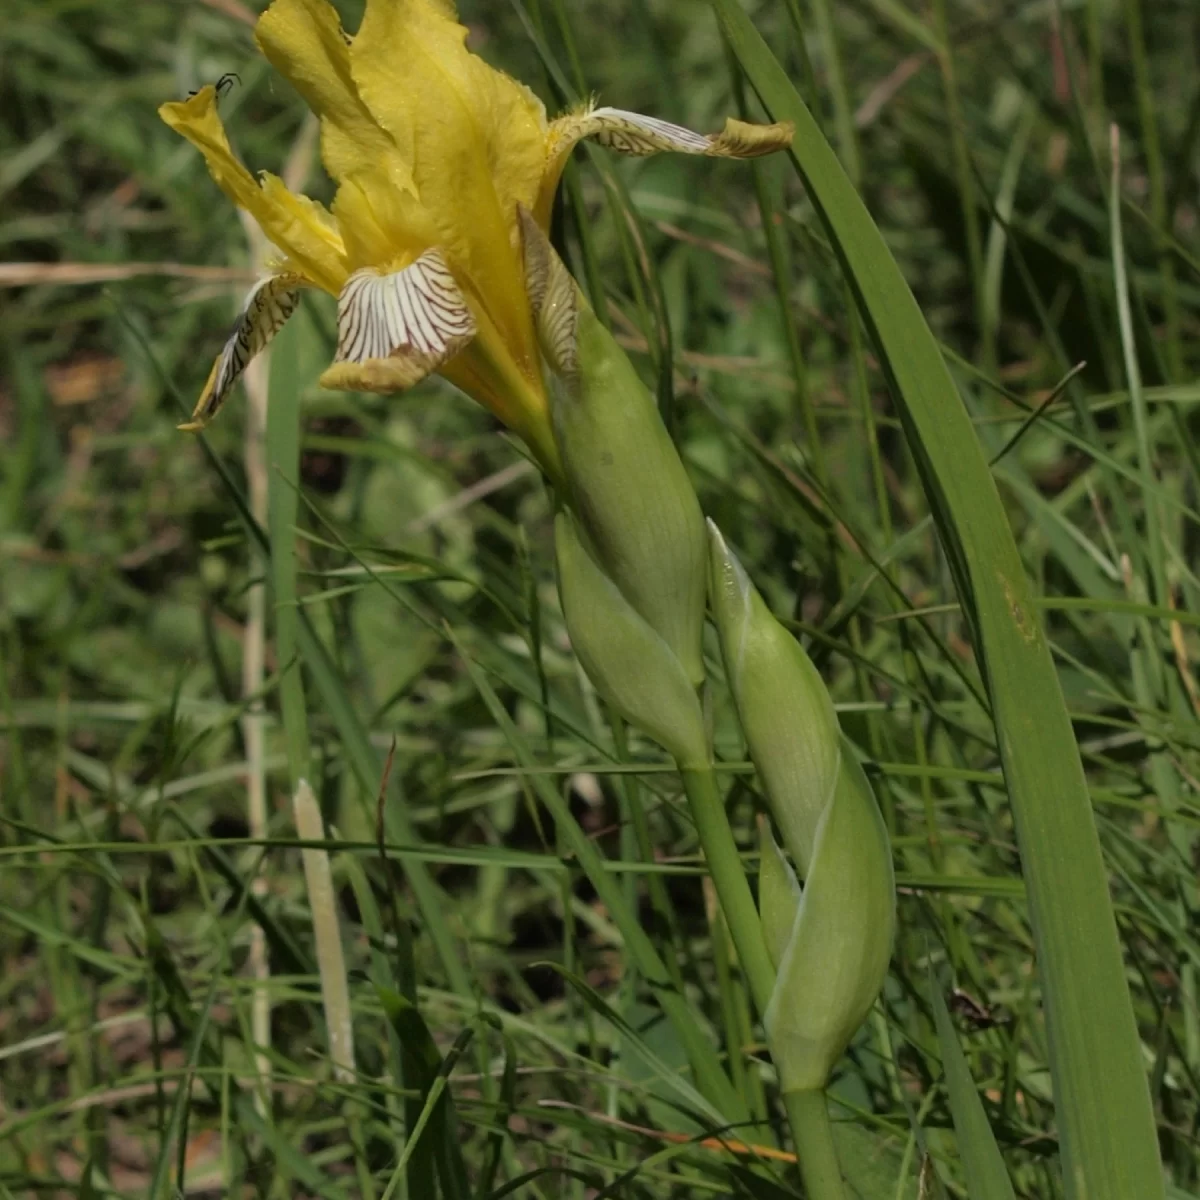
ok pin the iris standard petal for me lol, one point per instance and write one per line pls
(478, 146)
(304, 41)
(302, 230)
(635, 134)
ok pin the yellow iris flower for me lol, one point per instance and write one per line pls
(438, 160)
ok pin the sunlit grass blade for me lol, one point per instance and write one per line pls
(1106, 1124)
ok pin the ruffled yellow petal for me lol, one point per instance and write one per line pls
(478, 145)
(635, 134)
(301, 229)
(304, 41)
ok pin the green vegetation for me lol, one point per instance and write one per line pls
(977, 505)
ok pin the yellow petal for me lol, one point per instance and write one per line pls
(478, 141)
(301, 229)
(268, 305)
(304, 41)
(385, 375)
(394, 329)
(383, 227)
(635, 134)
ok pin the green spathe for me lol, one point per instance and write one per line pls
(837, 956)
(626, 660)
(778, 895)
(630, 490)
(787, 715)
(830, 941)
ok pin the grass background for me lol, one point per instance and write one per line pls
(130, 592)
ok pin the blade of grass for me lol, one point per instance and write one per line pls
(1108, 1137)
(361, 756)
(711, 1079)
(987, 1178)
(283, 467)
(435, 1132)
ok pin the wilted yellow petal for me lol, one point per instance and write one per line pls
(299, 227)
(478, 141)
(304, 41)
(638, 135)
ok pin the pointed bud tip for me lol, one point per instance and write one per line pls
(729, 578)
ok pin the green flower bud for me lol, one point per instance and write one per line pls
(787, 714)
(778, 895)
(837, 956)
(834, 956)
(627, 661)
(626, 482)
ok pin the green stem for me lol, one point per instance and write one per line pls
(806, 1111)
(809, 1119)
(729, 878)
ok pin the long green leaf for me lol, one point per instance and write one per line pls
(287, 380)
(1106, 1123)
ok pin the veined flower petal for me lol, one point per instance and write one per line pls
(299, 227)
(267, 306)
(478, 141)
(638, 135)
(552, 297)
(395, 329)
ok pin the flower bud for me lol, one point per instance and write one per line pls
(627, 484)
(837, 956)
(627, 661)
(786, 713)
(778, 894)
(833, 957)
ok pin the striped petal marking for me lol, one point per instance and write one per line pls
(551, 296)
(417, 316)
(267, 306)
(635, 134)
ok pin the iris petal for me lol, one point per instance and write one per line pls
(478, 141)
(394, 329)
(638, 135)
(299, 227)
(267, 306)
(304, 41)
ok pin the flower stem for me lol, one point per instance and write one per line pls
(729, 879)
(806, 1111)
(808, 1116)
